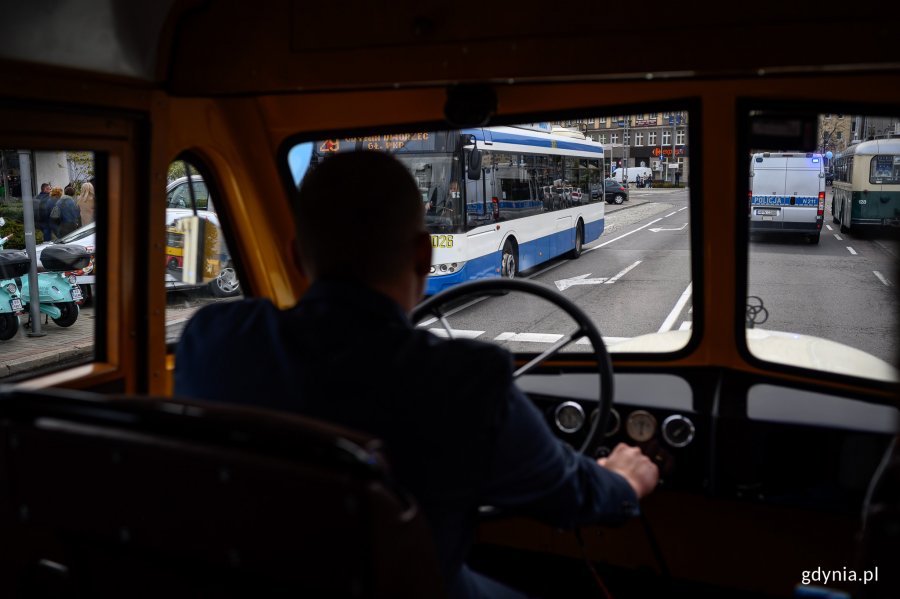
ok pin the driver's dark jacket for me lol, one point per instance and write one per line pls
(458, 433)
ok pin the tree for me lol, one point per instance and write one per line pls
(81, 167)
(176, 171)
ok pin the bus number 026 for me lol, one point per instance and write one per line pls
(442, 241)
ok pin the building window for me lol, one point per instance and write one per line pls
(679, 137)
(626, 138)
(603, 138)
(666, 137)
(651, 138)
(614, 138)
(638, 139)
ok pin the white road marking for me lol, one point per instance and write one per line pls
(829, 227)
(838, 237)
(550, 338)
(679, 306)
(457, 333)
(564, 284)
(685, 326)
(680, 209)
(658, 229)
(622, 272)
(597, 247)
(425, 323)
(671, 214)
(529, 337)
(851, 250)
(882, 278)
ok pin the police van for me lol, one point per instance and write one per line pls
(787, 193)
(632, 174)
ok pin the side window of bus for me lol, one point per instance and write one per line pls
(822, 252)
(533, 207)
(49, 259)
(885, 170)
(199, 266)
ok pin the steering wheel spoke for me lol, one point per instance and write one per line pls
(586, 328)
(549, 353)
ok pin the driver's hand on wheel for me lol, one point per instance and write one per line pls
(641, 473)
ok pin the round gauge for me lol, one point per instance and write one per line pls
(640, 425)
(678, 430)
(612, 423)
(569, 417)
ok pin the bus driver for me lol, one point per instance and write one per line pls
(458, 432)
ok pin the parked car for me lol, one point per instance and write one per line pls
(829, 177)
(226, 284)
(616, 193)
(178, 205)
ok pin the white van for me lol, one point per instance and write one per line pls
(787, 193)
(634, 172)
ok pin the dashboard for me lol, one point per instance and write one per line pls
(739, 439)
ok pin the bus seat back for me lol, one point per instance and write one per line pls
(105, 497)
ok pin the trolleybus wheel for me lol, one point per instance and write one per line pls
(579, 240)
(585, 327)
(509, 260)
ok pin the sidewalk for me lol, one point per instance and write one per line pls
(638, 197)
(69, 345)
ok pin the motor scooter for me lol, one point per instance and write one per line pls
(58, 292)
(13, 264)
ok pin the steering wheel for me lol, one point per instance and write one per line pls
(435, 306)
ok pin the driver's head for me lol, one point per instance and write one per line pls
(359, 217)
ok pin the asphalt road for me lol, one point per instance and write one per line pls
(636, 280)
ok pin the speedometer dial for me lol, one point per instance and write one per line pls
(678, 430)
(569, 417)
(640, 426)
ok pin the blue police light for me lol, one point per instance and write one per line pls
(815, 161)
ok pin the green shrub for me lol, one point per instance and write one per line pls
(15, 226)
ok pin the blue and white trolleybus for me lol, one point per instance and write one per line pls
(498, 200)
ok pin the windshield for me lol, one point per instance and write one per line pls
(519, 201)
(77, 235)
(822, 250)
(527, 201)
(437, 177)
